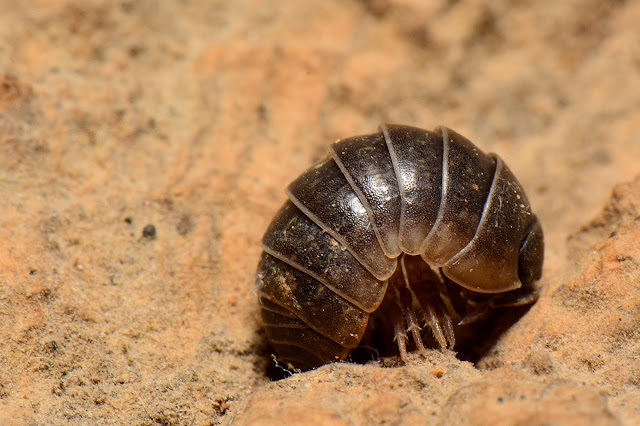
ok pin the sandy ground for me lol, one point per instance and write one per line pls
(193, 116)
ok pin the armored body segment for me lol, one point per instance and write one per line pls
(311, 301)
(489, 263)
(298, 344)
(468, 173)
(294, 238)
(417, 159)
(366, 163)
(324, 194)
(300, 352)
(268, 305)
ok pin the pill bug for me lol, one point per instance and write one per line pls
(404, 221)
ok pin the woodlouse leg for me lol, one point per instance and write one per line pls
(436, 315)
(405, 300)
(478, 313)
(520, 297)
(470, 306)
(405, 318)
(399, 332)
(423, 282)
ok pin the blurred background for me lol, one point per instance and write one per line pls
(192, 116)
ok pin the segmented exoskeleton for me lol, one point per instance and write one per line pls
(421, 219)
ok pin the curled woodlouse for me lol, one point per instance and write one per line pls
(405, 220)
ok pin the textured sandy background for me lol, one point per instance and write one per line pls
(192, 116)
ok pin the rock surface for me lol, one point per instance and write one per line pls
(193, 116)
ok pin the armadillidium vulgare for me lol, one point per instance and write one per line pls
(407, 221)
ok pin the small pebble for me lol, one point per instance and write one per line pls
(149, 231)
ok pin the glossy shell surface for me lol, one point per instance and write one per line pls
(355, 223)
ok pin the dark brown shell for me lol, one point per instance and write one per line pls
(330, 251)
